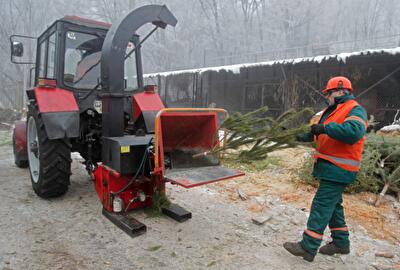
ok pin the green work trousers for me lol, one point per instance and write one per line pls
(326, 209)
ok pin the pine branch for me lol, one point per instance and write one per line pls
(252, 136)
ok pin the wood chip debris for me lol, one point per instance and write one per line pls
(384, 254)
(241, 194)
(260, 220)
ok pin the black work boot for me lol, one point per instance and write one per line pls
(297, 250)
(331, 249)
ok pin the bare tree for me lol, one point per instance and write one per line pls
(217, 31)
(211, 10)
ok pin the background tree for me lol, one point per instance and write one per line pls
(217, 32)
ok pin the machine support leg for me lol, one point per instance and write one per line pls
(128, 224)
(176, 212)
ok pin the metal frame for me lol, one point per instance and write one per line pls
(31, 84)
(44, 37)
(60, 27)
(67, 26)
(113, 58)
(117, 40)
(138, 58)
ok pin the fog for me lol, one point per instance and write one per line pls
(215, 32)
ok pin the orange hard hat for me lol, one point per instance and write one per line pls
(337, 83)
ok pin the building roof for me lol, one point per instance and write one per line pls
(341, 57)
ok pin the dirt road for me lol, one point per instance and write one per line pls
(71, 233)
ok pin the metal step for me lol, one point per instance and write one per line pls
(128, 224)
(177, 212)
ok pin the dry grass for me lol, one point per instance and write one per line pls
(279, 181)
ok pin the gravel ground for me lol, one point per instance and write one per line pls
(71, 233)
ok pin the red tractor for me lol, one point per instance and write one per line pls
(89, 97)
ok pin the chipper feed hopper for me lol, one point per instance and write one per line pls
(88, 97)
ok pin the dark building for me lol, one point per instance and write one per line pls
(292, 83)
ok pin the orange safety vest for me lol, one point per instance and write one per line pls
(345, 156)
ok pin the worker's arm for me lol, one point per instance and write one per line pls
(352, 129)
(306, 137)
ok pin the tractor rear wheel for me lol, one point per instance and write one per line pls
(49, 160)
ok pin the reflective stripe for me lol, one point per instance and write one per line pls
(344, 161)
(313, 234)
(356, 118)
(343, 229)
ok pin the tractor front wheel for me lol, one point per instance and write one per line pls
(49, 160)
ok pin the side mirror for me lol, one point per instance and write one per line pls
(17, 49)
(19, 54)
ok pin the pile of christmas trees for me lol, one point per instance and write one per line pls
(381, 161)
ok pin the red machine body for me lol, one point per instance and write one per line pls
(129, 153)
(179, 133)
(20, 137)
(55, 100)
(108, 182)
(193, 130)
(59, 110)
(146, 102)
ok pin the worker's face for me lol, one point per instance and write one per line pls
(332, 94)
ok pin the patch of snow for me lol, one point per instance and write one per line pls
(76, 156)
(391, 128)
(232, 68)
(319, 58)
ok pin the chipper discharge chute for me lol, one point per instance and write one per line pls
(89, 97)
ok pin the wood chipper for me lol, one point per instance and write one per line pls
(89, 97)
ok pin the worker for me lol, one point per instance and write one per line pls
(339, 136)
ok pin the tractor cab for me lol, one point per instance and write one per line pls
(69, 55)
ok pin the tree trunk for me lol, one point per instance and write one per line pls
(382, 194)
(132, 4)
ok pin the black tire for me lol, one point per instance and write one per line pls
(20, 160)
(54, 161)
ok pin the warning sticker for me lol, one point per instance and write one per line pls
(125, 149)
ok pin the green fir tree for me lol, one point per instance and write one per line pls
(252, 136)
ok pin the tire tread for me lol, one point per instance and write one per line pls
(55, 161)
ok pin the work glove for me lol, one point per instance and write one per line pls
(317, 129)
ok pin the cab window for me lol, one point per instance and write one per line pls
(42, 59)
(51, 57)
(82, 59)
